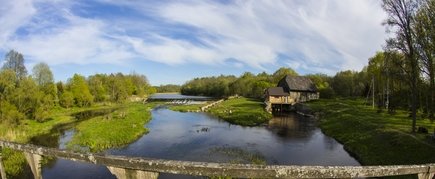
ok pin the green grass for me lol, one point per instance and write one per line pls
(375, 138)
(114, 130)
(15, 161)
(241, 111)
(31, 128)
(186, 108)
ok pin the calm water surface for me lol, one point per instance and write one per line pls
(290, 140)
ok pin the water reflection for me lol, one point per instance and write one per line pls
(292, 126)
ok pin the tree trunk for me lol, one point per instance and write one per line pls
(431, 91)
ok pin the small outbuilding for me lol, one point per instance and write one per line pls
(289, 91)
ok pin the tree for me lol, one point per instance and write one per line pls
(27, 97)
(323, 84)
(343, 83)
(42, 74)
(15, 62)
(96, 87)
(280, 73)
(401, 17)
(66, 99)
(9, 114)
(7, 84)
(80, 91)
(44, 79)
(425, 47)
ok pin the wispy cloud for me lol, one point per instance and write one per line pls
(313, 36)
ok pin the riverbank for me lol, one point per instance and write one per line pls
(97, 132)
(187, 107)
(113, 130)
(375, 138)
(28, 129)
(241, 111)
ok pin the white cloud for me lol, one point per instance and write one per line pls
(333, 34)
(12, 15)
(317, 35)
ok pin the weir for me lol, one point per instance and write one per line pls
(133, 167)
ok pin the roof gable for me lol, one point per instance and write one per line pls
(276, 91)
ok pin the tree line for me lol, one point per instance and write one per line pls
(169, 88)
(343, 84)
(24, 96)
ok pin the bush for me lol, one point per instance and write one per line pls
(9, 114)
(67, 99)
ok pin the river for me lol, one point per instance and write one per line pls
(288, 140)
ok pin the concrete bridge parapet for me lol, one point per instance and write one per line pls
(133, 167)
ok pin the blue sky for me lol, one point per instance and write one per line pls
(175, 41)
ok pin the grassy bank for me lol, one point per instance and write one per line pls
(15, 161)
(31, 128)
(375, 138)
(113, 130)
(241, 111)
(186, 108)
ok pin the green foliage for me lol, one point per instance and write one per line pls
(242, 111)
(168, 88)
(66, 99)
(96, 88)
(281, 73)
(13, 161)
(368, 134)
(9, 114)
(323, 84)
(350, 83)
(27, 97)
(7, 83)
(208, 86)
(80, 91)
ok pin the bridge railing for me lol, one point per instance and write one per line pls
(150, 168)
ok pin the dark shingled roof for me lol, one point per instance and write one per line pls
(276, 91)
(297, 83)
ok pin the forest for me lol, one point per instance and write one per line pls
(33, 96)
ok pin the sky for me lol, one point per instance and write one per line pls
(172, 42)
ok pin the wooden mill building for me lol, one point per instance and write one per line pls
(289, 91)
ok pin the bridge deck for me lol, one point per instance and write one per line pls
(226, 169)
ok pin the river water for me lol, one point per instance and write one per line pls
(288, 140)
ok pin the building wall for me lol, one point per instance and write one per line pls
(303, 96)
(294, 97)
(280, 99)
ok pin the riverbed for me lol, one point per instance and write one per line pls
(286, 140)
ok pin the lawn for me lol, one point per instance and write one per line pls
(375, 138)
(241, 111)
